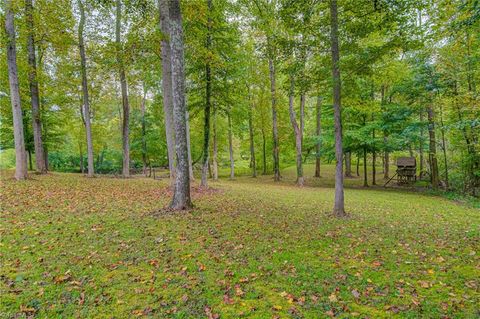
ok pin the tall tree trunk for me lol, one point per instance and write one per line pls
(339, 205)
(365, 173)
(20, 153)
(298, 133)
(190, 162)
(123, 83)
(318, 132)
(253, 163)
(348, 164)
(167, 86)
(181, 195)
(432, 156)
(30, 163)
(264, 149)
(374, 159)
(34, 95)
(144, 138)
(230, 146)
(421, 145)
(215, 145)
(444, 147)
(358, 164)
(86, 100)
(80, 148)
(208, 102)
(273, 88)
(386, 154)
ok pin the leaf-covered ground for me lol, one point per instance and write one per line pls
(73, 247)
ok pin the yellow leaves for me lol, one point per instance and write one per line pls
(277, 307)
(333, 297)
(201, 267)
(424, 284)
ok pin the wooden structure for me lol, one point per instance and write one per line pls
(406, 171)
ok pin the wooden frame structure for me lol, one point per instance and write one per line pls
(406, 172)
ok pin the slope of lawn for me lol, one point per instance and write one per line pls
(72, 247)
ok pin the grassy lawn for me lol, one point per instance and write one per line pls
(73, 247)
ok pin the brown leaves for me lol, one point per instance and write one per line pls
(210, 314)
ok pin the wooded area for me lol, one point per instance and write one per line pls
(341, 94)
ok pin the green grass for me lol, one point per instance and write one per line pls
(73, 247)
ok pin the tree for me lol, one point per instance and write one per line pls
(338, 208)
(86, 102)
(167, 86)
(123, 85)
(181, 195)
(318, 132)
(34, 95)
(208, 98)
(20, 154)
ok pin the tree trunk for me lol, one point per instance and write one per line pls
(339, 206)
(253, 163)
(167, 86)
(374, 159)
(144, 139)
(348, 164)
(365, 173)
(318, 131)
(30, 163)
(386, 155)
(123, 83)
(34, 95)
(298, 133)
(20, 153)
(208, 96)
(230, 146)
(215, 146)
(190, 163)
(421, 146)
(432, 148)
(80, 148)
(444, 146)
(86, 100)
(264, 149)
(181, 195)
(358, 164)
(276, 155)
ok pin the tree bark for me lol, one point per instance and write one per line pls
(298, 133)
(421, 146)
(230, 146)
(339, 205)
(365, 173)
(348, 164)
(444, 147)
(181, 195)
(34, 95)
(190, 163)
(264, 151)
(167, 86)
(86, 100)
(432, 156)
(253, 163)
(358, 164)
(374, 159)
(318, 131)
(20, 153)
(276, 155)
(215, 145)
(386, 154)
(123, 83)
(208, 102)
(144, 133)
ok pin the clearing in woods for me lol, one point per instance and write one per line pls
(78, 247)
